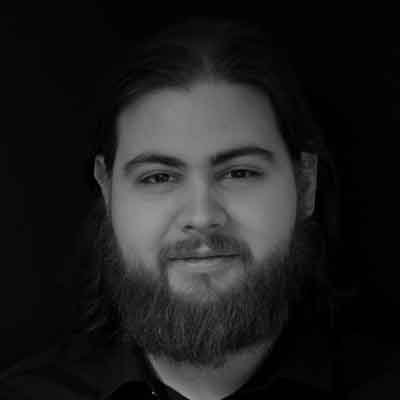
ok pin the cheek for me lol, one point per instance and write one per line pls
(138, 225)
(268, 218)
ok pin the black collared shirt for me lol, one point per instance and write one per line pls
(300, 364)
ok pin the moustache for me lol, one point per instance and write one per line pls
(214, 245)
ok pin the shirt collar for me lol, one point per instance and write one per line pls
(300, 355)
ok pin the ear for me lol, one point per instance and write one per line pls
(102, 178)
(308, 183)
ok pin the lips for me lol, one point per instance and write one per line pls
(199, 258)
(204, 265)
(204, 258)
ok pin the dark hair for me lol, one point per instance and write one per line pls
(232, 51)
(229, 50)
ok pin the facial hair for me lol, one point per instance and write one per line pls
(166, 324)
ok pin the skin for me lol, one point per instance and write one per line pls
(260, 211)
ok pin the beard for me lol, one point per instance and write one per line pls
(254, 310)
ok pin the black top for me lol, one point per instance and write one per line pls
(303, 362)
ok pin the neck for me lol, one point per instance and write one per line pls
(207, 383)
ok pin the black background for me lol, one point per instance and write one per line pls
(52, 61)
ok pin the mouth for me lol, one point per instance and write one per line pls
(202, 258)
(204, 264)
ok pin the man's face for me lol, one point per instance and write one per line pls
(243, 207)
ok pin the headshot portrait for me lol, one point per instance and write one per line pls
(207, 265)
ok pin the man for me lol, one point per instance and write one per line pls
(208, 271)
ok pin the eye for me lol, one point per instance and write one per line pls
(147, 179)
(239, 173)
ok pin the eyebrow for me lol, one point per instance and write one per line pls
(214, 160)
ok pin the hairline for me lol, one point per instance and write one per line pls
(139, 95)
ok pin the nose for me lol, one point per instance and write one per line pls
(202, 211)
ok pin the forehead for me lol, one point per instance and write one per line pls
(198, 121)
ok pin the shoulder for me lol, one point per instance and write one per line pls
(385, 386)
(72, 369)
(47, 374)
(367, 366)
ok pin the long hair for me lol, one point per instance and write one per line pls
(232, 51)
